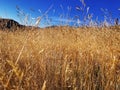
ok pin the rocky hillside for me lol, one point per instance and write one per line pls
(9, 24)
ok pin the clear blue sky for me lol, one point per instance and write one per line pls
(61, 11)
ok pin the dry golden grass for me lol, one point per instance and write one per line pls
(60, 58)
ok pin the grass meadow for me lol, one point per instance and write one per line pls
(60, 58)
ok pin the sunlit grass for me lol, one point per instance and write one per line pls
(60, 58)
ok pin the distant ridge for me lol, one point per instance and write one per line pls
(9, 24)
(12, 25)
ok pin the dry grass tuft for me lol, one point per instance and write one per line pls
(60, 58)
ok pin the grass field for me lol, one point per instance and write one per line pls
(60, 58)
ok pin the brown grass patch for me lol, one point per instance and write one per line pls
(60, 58)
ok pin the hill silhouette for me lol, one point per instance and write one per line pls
(9, 24)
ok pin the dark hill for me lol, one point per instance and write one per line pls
(9, 24)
